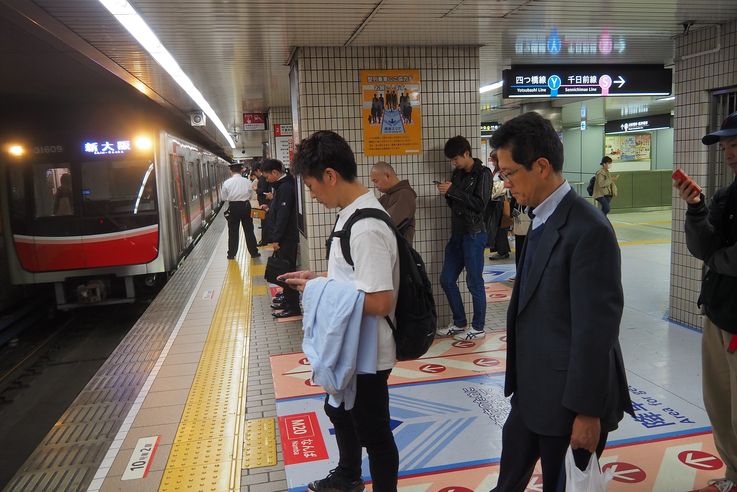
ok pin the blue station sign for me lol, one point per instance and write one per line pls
(586, 80)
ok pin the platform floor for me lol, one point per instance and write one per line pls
(227, 403)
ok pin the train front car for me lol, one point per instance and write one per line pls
(83, 214)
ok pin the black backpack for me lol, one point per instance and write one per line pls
(590, 187)
(417, 319)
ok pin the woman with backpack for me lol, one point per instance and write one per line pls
(605, 186)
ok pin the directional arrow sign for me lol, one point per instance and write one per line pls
(464, 344)
(700, 460)
(625, 472)
(304, 361)
(455, 489)
(486, 362)
(620, 81)
(432, 368)
(536, 483)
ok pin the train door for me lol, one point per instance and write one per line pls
(179, 204)
(195, 207)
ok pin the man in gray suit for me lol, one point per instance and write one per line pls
(564, 363)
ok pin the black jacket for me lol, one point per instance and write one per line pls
(467, 198)
(711, 236)
(262, 187)
(282, 215)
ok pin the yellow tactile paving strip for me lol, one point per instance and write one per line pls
(260, 443)
(207, 452)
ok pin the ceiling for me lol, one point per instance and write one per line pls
(235, 51)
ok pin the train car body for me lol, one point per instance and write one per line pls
(103, 212)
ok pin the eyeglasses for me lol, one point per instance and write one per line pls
(506, 176)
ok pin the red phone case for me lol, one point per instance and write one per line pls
(680, 176)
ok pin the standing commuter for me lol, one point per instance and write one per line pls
(328, 167)
(262, 191)
(237, 192)
(564, 363)
(281, 221)
(398, 198)
(605, 186)
(711, 236)
(467, 194)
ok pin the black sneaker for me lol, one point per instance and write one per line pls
(336, 483)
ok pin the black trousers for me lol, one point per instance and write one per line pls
(288, 251)
(519, 243)
(240, 215)
(367, 425)
(521, 449)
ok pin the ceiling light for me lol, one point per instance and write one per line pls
(491, 87)
(671, 98)
(129, 18)
(143, 143)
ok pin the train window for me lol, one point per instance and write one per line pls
(52, 190)
(118, 187)
(17, 191)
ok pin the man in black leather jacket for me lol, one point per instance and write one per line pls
(281, 220)
(467, 194)
(711, 236)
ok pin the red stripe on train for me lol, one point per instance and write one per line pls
(134, 250)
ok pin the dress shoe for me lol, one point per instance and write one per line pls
(287, 313)
(231, 257)
(257, 255)
(278, 305)
(497, 256)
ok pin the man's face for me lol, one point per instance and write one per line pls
(320, 191)
(463, 162)
(380, 180)
(728, 146)
(272, 176)
(522, 183)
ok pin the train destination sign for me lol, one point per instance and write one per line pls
(644, 123)
(586, 80)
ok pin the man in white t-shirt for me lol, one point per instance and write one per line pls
(327, 165)
(237, 192)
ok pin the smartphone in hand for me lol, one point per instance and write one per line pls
(680, 177)
(435, 182)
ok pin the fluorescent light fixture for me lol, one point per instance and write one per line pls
(491, 87)
(129, 18)
(671, 98)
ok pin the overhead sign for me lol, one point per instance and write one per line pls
(254, 121)
(282, 130)
(644, 123)
(107, 147)
(489, 127)
(586, 80)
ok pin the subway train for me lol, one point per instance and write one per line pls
(104, 208)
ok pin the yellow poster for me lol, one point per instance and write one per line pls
(391, 112)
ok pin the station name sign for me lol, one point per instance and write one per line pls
(586, 80)
(645, 123)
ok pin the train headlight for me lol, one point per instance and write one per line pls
(143, 143)
(16, 150)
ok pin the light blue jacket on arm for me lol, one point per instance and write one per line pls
(339, 341)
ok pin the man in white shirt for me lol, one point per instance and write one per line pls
(328, 167)
(237, 192)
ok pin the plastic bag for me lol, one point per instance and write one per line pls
(590, 480)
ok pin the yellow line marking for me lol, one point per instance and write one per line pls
(207, 453)
(646, 241)
(260, 443)
(258, 270)
(259, 290)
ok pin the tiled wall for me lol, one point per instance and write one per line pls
(329, 99)
(695, 79)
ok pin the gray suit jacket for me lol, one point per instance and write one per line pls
(563, 354)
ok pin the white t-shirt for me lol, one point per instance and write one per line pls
(374, 253)
(236, 189)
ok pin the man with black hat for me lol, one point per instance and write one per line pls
(711, 236)
(237, 192)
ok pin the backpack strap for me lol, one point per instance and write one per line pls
(345, 234)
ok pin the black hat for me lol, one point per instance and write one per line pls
(728, 129)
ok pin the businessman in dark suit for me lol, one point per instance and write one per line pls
(564, 364)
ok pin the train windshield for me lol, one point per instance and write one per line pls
(118, 187)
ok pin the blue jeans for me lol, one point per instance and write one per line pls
(465, 250)
(605, 202)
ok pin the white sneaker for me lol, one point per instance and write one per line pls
(448, 331)
(470, 334)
